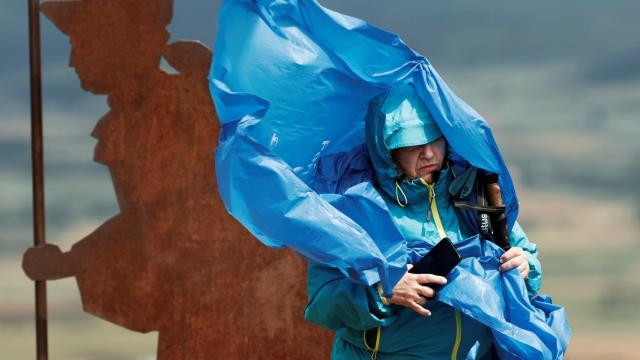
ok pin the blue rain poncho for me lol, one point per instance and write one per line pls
(292, 82)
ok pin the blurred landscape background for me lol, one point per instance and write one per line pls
(558, 81)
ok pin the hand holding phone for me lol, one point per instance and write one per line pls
(412, 290)
(438, 261)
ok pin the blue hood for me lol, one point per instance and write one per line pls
(395, 119)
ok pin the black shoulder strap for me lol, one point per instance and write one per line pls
(492, 220)
(483, 215)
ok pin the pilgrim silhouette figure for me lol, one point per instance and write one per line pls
(172, 260)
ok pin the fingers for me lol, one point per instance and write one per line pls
(409, 293)
(519, 262)
(430, 279)
(513, 263)
(420, 300)
(425, 291)
(419, 309)
(524, 269)
(510, 254)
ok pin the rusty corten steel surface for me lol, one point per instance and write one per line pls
(37, 164)
(172, 260)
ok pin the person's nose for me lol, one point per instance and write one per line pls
(427, 151)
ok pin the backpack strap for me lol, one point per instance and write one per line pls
(492, 196)
(477, 194)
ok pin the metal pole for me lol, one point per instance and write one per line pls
(38, 172)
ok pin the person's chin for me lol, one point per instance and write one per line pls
(426, 171)
(423, 175)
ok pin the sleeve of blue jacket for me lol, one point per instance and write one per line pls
(519, 238)
(335, 302)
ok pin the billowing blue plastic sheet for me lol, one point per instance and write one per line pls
(292, 82)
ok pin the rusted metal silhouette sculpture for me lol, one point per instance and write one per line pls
(172, 260)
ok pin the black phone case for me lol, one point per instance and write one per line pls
(438, 261)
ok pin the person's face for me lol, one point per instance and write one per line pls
(420, 161)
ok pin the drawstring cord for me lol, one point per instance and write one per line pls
(374, 350)
(406, 200)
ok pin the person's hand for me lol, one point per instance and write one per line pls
(45, 262)
(410, 291)
(515, 258)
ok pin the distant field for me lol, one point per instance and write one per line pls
(73, 334)
(586, 269)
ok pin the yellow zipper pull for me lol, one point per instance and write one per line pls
(430, 196)
(434, 208)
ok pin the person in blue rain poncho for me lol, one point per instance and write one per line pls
(327, 124)
(414, 175)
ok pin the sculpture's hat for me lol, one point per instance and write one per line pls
(70, 15)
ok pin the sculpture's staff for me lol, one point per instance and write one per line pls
(37, 171)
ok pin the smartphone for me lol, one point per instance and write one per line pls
(438, 261)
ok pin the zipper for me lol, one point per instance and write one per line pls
(433, 209)
(456, 343)
(376, 347)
